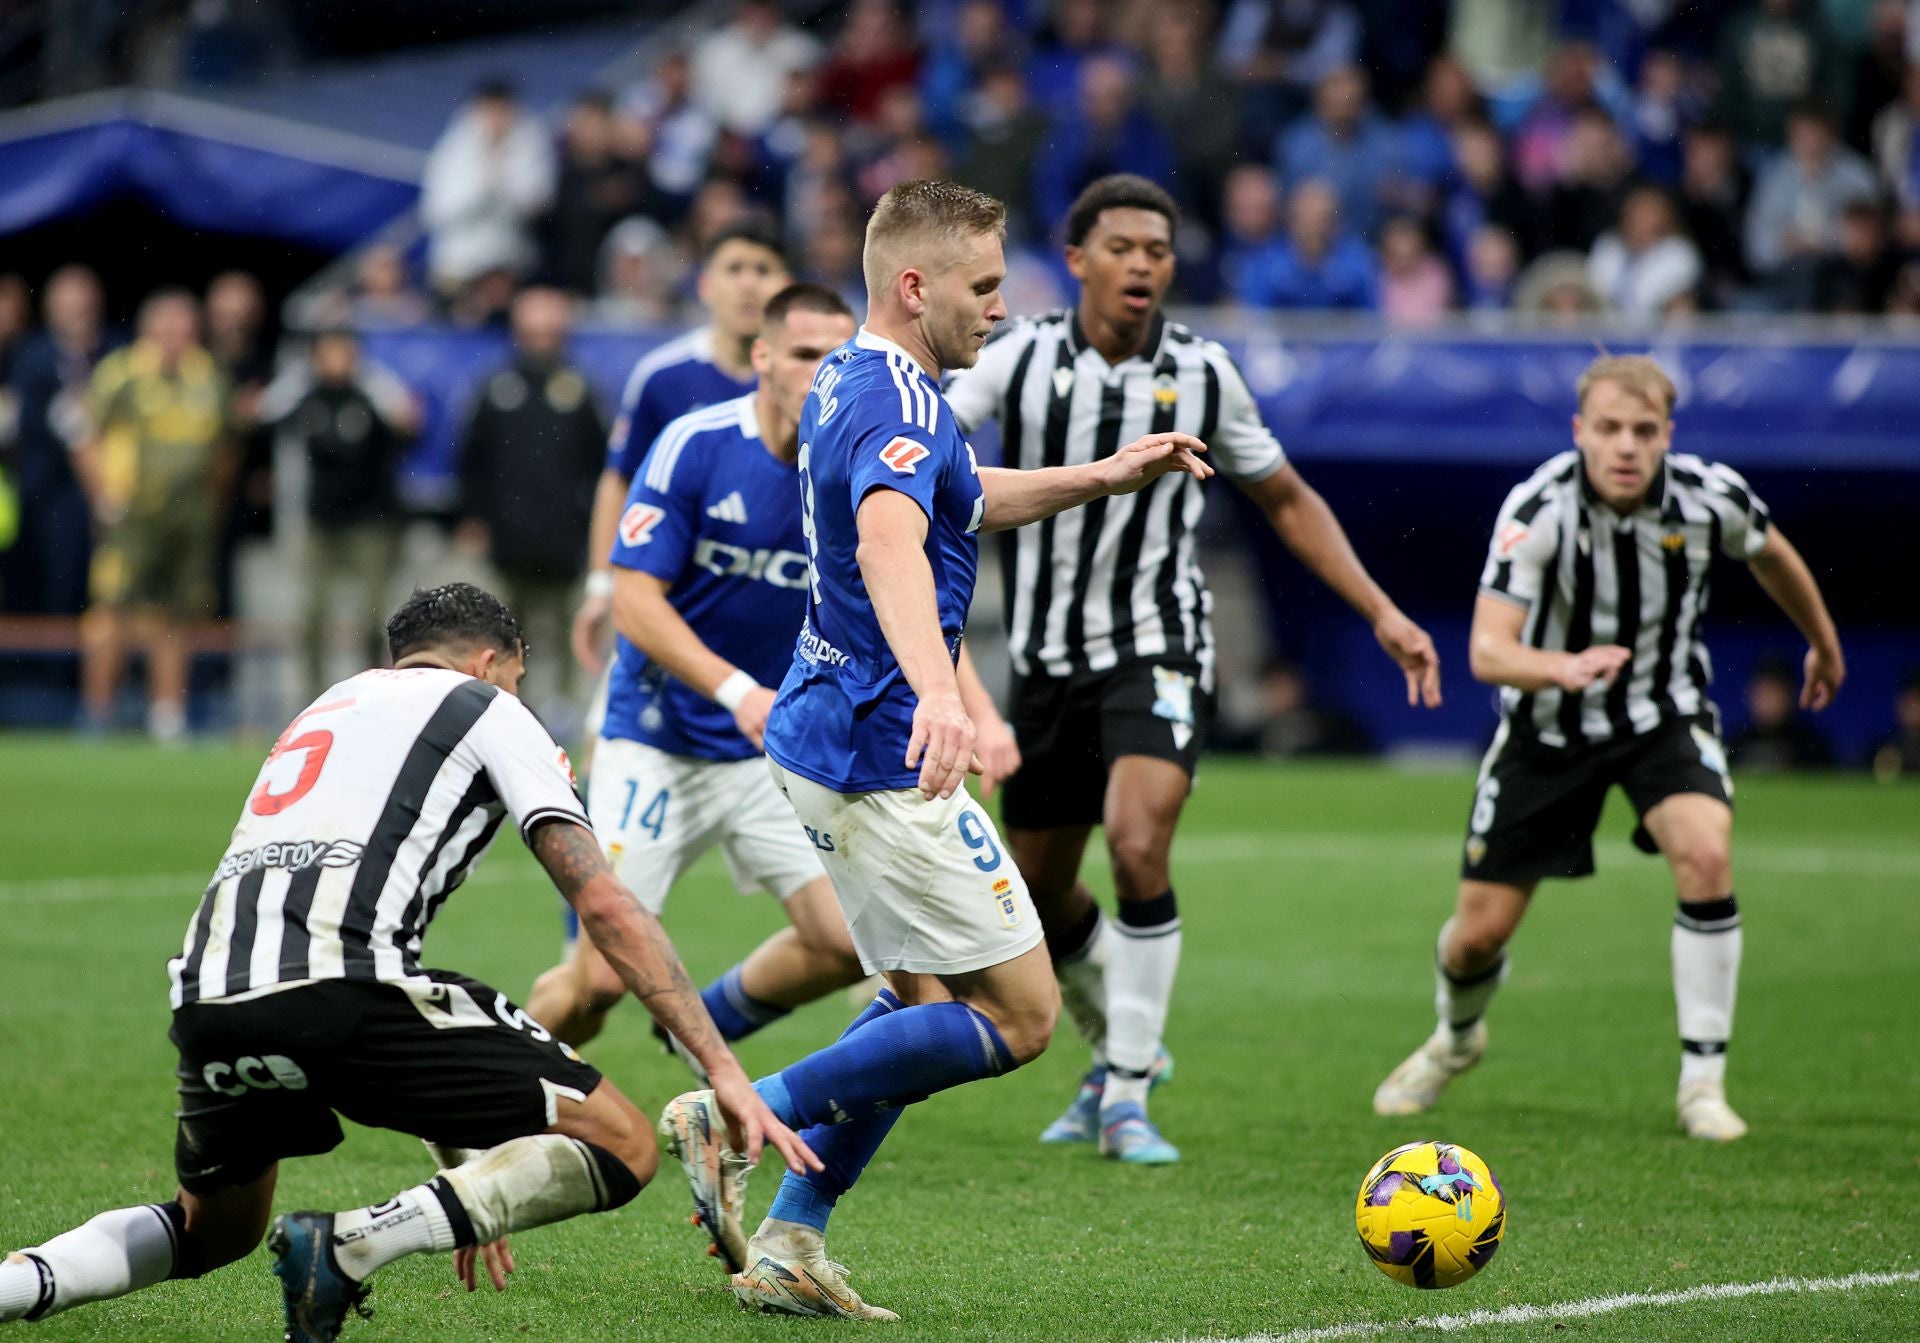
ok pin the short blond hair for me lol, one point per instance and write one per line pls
(923, 220)
(1635, 373)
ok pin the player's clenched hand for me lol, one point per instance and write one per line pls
(1145, 460)
(941, 745)
(997, 752)
(1410, 646)
(1826, 669)
(750, 715)
(497, 1257)
(751, 1125)
(592, 624)
(1601, 663)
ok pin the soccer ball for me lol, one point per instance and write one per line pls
(1431, 1214)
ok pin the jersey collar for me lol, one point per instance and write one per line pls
(867, 340)
(749, 417)
(1150, 352)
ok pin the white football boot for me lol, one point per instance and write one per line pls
(1416, 1084)
(692, 1129)
(789, 1273)
(1704, 1113)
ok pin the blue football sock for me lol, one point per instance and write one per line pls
(773, 1088)
(900, 1057)
(844, 1148)
(736, 1012)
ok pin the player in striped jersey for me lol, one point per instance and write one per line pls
(299, 994)
(1109, 624)
(1589, 620)
(744, 267)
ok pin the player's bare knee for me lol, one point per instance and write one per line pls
(1140, 862)
(1028, 1030)
(1702, 866)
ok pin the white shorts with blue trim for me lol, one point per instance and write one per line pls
(659, 813)
(927, 886)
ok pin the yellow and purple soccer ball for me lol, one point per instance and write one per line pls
(1431, 1214)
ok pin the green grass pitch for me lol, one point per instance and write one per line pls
(1311, 897)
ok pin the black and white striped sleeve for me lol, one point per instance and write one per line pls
(528, 769)
(1525, 537)
(1241, 446)
(1743, 518)
(979, 394)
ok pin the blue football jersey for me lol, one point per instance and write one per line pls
(717, 517)
(667, 383)
(874, 420)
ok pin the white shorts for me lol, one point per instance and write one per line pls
(658, 813)
(927, 887)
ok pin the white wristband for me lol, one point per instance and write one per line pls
(735, 688)
(600, 582)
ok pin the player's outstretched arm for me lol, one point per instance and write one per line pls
(642, 612)
(893, 563)
(1499, 657)
(1015, 498)
(1784, 575)
(637, 947)
(1303, 519)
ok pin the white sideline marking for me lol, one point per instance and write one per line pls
(1244, 846)
(1575, 1310)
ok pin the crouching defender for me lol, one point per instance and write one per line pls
(299, 995)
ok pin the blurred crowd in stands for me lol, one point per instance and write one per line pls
(1646, 158)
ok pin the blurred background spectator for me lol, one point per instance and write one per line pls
(45, 572)
(1316, 264)
(1645, 267)
(534, 449)
(1898, 757)
(1777, 739)
(350, 423)
(739, 72)
(487, 180)
(157, 464)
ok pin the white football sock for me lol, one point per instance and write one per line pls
(116, 1253)
(413, 1222)
(530, 1182)
(1142, 961)
(1461, 1002)
(1706, 975)
(1083, 986)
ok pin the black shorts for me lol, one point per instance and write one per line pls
(444, 1058)
(1535, 810)
(1071, 730)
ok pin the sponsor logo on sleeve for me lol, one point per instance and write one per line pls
(902, 453)
(1510, 539)
(638, 522)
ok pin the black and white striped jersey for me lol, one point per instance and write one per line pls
(1588, 576)
(1093, 587)
(372, 807)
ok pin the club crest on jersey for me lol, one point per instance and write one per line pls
(902, 453)
(1674, 541)
(1166, 390)
(1062, 381)
(638, 522)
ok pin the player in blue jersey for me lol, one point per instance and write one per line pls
(711, 579)
(871, 740)
(744, 267)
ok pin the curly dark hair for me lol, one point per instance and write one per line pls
(453, 616)
(1118, 191)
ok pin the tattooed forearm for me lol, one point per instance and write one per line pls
(632, 940)
(570, 853)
